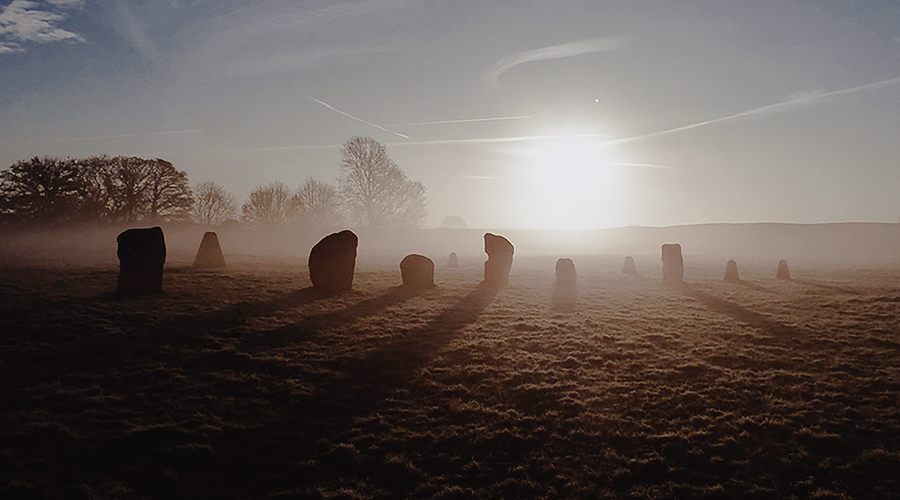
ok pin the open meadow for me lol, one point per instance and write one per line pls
(247, 383)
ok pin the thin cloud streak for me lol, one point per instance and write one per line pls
(348, 115)
(103, 137)
(591, 45)
(466, 120)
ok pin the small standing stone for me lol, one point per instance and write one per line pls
(500, 257)
(783, 272)
(453, 261)
(142, 257)
(565, 293)
(731, 272)
(628, 267)
(673, 264)
(332, 262)
(417, 271)
(209, 255)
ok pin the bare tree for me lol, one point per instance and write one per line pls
(376, 192)
(213, 205)
(169, 195)
(40, 189)
(269, 205)
(318, 204)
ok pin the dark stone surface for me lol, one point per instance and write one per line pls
(731, 272)
(565, 292)
(783, 272)
(628, 266)
(332, 262)
(417, 271)
(142, 257)
(209, 255)
(673, 264)
(500, 257)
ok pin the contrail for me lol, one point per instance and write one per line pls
(467, 120)
(588, 46)
(99, 137)
(348, 115)
(764, 109)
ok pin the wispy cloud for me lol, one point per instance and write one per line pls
(348, 115)
(591, 45)
(104, 137)
(466, 120)
(24, 21)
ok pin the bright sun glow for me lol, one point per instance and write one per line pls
(571, 182)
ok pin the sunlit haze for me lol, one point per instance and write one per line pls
(514, 115)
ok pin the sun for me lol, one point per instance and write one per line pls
(571, 182)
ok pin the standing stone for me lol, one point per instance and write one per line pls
(209, 255)
(332, 261)
(453, 261)
(783, 272)
(500, 257)
(673, 264)
(142, 256)
(628, 267)
(417, 271)
(565, 293)
(731, 272)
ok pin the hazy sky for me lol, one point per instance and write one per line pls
(513, 113)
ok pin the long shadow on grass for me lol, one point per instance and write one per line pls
(763, 323)
(830, 288)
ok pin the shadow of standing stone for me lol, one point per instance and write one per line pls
(332, 262)
(673, 264)
(142, 257)
(209, 255)
(500, 257)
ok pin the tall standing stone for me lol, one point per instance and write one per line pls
(142, 257)
(332, 262)
(417, 271)
(565, 292)
(628, 266)
(673, 264)
(731, 272)
(500, 257)
(783, 272)
(209, 255)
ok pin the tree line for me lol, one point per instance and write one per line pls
(373, 191)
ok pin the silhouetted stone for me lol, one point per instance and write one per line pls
(731, 272)
(332, 261)
(500, 257)
(783, 272)
(565, 293)
(673, 264)
(417, 271)
(453, 261)
(209, 255)
(142, 256)
(628, 266)
(453, 222)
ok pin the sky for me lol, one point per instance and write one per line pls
(514, 114)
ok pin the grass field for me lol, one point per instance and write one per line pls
(245, 383)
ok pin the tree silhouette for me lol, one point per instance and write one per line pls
(212, 204)
(318, 204)
(375, 191)
(40, 189)
(269, 205)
